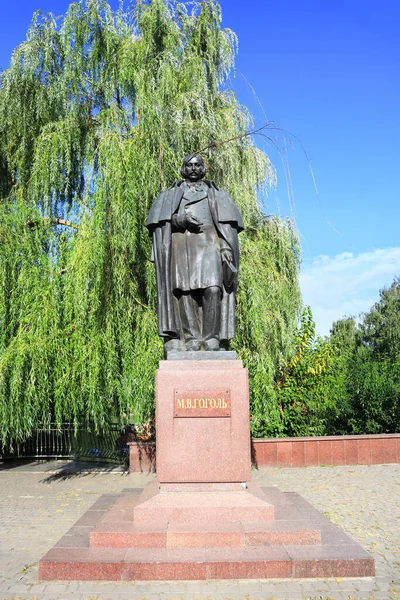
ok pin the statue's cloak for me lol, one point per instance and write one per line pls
(228, 223)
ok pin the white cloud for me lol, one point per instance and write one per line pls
(346, 284)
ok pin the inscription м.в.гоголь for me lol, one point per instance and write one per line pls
(204, 403)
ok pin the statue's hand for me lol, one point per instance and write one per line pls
(227, 255)
(192, 223)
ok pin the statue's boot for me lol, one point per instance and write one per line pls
(212, 345)
(173, 345)
(193, 345)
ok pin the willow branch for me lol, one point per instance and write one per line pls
(53, 221)
(236, 137)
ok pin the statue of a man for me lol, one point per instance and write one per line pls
(194, 227)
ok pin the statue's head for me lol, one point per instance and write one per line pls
(193, 168)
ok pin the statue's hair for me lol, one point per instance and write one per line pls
(187, 159)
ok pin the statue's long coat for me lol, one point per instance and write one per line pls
(228, 223)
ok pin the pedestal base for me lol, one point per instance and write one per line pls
(107, 543)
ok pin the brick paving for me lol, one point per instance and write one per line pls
(37, 508)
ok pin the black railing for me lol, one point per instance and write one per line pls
(68, 442)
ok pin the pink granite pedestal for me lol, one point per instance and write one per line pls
(202, 442)
(203, 518)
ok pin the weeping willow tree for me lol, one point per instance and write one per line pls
(97, 110)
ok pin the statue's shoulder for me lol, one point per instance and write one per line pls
(165, 194)
(227, 210)
(163, 206)
(220, 193)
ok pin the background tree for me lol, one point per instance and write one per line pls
(345, 335)
(373, 376)
(347, 384)
(97, 110)
(380, 327)
(310, 385)
(367, 359)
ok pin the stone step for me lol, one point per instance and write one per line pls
(125, 534)
(205, 563)
(203, 506)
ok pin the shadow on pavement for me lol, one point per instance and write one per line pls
(78, 470)
(61, 470)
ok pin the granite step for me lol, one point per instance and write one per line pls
(125, 534)
(158, 506)
(205, 563)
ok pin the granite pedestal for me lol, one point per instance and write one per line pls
(202, 421)
(203, 518)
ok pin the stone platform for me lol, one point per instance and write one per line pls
(277, 535)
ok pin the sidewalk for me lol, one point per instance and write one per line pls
(38, 503)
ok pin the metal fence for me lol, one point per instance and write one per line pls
(67, 442)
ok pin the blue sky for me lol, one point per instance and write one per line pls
(328, 72)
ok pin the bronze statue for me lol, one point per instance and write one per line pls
(194, 227)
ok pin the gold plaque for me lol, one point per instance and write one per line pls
(202, 403)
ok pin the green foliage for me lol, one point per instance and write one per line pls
(370, 353)
(309, 384)
(380, 328)
(345, 335)
(348, 384)
(97, 110)
(373, 387)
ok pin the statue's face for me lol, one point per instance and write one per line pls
(194, 169)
